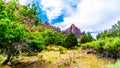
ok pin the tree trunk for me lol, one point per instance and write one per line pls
(8, 56)
(7, 60)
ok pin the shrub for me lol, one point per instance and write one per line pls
(62, 49)
(86, 38)
(98, 45)
(117, 42)
(49, 36)
(78, 44)
(37, 41)
(110, 47)
(116, 65)
(70, 41)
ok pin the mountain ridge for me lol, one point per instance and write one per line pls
(72, 29)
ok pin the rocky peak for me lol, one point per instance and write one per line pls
(46, 24)
(73, 26)
(74, 30)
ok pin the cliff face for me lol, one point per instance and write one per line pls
(74, 30)
(46, 24)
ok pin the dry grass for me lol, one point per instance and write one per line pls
(48, 58)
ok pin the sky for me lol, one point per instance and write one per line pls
(88, 15)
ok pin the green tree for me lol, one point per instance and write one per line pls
(30, 14)
(49, 36)
(10, 33)
(70, 41)
(90, 38)
(113, 32)
(37, 41)
(86, 38)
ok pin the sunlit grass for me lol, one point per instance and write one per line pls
(53, 56)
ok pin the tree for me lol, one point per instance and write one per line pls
(90, 38)
(12, 29)
(49, 36)
(70, 41)
(10, 33)
(37, 42)
(30, 14)
(86, 38)
(113, 32)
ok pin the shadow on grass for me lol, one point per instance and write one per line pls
(34, 64)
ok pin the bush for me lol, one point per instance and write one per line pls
(86, 38)
(117, 42)
(37, 41)
(110, 47)
(78, 44)
(116, 65)
(50, 37)
(70, 41)
(62, 49)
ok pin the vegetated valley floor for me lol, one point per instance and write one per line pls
(49, 57)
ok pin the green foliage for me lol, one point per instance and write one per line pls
(70, 41)
(113, 32)
(109, 45)
(30, 13)
(97, 45)
(1, 59)
(11, 32)
(116, 65)
(37, 41)
(62, 49)
(10, 11)
(49, 36)
(41, 39)
(52, 37)
(78, 44)
(112, 45)
(86, 38)
(59, 38)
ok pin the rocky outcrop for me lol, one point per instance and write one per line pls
(74, 30)
(46, 24)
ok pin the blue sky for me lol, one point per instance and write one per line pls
(88, 15)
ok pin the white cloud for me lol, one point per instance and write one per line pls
(53, 8)
(88, 14)
(24, 2)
